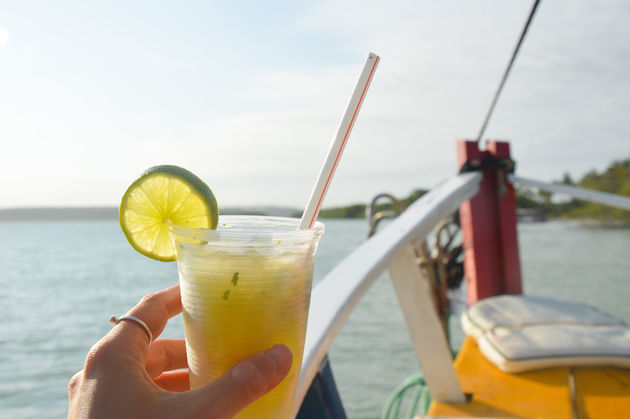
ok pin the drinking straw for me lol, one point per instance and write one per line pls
(339, 143)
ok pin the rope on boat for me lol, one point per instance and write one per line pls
(420, 398)
(374, 217)
(507, 70)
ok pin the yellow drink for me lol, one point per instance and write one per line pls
(246, 287)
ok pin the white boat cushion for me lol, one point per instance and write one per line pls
(521, 333)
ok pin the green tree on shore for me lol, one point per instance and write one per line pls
(614, 179)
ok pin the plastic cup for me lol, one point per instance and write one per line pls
(245, 287)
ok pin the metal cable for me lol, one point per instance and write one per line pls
(507, 70)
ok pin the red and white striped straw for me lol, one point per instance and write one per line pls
(339, 143)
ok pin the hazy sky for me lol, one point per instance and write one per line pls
(248, 94)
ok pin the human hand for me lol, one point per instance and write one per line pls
(125, 377)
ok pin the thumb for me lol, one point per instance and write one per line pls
(246, 382)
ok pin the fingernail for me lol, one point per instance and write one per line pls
(281, 357)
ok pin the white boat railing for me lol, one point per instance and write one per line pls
(604, 198)
(336, 296)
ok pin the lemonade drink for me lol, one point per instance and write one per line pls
(246, 287)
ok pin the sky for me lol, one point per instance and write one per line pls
(248, 94)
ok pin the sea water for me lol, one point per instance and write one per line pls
(61, 281)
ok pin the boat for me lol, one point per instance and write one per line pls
(523, 356)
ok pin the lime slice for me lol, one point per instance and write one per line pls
(165, 195)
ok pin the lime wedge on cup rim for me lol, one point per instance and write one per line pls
(162, 196)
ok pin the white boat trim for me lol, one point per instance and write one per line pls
(334, 298)
(413, 290)
(599, 197)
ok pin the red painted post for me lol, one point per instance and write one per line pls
(507, 224)
(488, 220)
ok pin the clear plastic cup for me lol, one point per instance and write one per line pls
(245, 287)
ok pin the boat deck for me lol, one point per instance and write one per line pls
(551, 393)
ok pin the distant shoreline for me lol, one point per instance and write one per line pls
(58, 213)
(111, 213)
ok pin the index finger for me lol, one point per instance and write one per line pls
(154, 310)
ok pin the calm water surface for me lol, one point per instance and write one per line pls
(60, 282)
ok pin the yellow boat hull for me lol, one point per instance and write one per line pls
(597, 392)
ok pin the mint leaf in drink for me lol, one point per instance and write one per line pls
(226, 295)
(235, 279)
